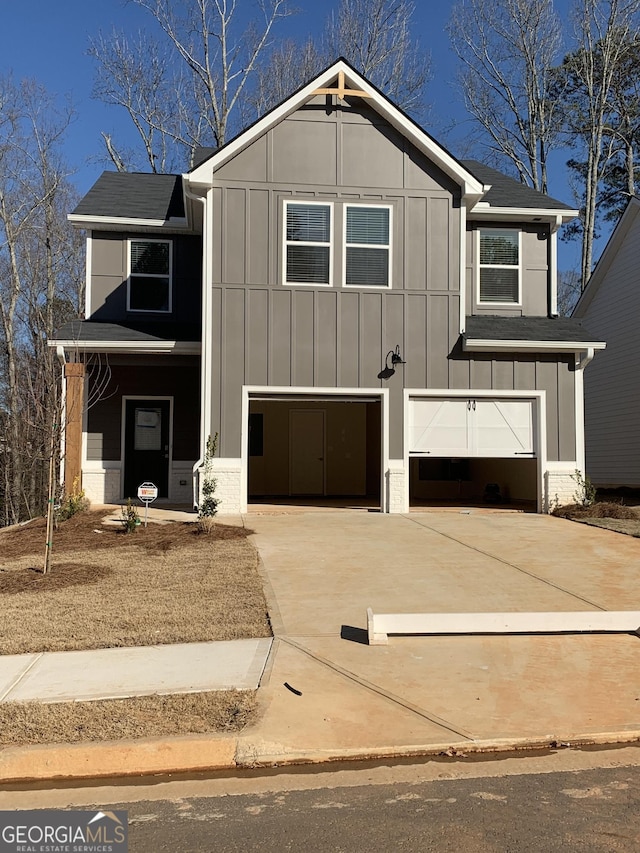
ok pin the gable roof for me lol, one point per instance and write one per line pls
(606, 258)
(146, 198)
(473, 189)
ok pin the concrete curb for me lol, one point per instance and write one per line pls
(57, 762)
(204, 753)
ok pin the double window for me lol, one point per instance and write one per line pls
(149, 285)
(499, 267)
(310, 242)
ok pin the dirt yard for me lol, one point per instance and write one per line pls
(164, 584)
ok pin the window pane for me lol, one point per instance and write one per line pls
(151, 258)
(498, 285)
(368, 267)
(308, 222)
(368, 225)
(308, 264)
(148, 293)
(499, 246)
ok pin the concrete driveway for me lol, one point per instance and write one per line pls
(324, 569)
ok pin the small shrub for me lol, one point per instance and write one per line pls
(130, 517)
(585, 494)
(209, 503)
(76, 502)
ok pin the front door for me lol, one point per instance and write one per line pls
(306, 449)
(146, 446)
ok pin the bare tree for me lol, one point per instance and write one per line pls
(606, 32)
(375, 36)
(183, 93)
(35, 288)
(507, 49)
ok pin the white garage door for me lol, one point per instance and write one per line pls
(471, 426)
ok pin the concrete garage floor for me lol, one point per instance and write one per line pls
(324, 569)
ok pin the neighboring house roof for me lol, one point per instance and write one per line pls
(490, 332)
(146, 198)
(608, 255)
(507, 192)
(102, 337)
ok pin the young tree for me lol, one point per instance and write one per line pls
(185, 92)
(506, 49)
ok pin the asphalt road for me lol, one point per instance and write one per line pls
(594, 811)
(582, 800)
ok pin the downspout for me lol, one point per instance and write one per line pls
(553, 266)
(205, 348)
(582, 359)
(585, 359)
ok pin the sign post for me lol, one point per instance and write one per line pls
(147, 493)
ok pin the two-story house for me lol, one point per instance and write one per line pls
(352, 309)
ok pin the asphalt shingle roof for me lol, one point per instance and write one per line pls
(134, 195)
(86, 331)
(507, 192)
(492, 328)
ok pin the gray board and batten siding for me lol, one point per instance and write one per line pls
(610, 307)
(267, 333)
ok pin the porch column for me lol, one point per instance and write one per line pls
(74, 400)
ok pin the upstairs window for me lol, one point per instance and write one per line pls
(308, 243)
(499, 266)
(149, 287)
(367, 245)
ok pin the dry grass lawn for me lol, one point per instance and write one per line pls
(115, 719)
(163, 584)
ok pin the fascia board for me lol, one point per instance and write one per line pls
(202, 176)
(606, 258)
(485, 345)
(521, 213)
(176, 347)
(82, 221)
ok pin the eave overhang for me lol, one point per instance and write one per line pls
(487, 345)
(130, 347)
(116, 223)
(487, 212)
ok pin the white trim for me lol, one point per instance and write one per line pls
(479, 266)
(578, 376)
(553, 273)
(483, 210)
(163, 347)
(285, 242)
(124, 401)
(540, 422)
(88, 272)
(316, 394)
(388, 246)
(84, 221)
(463, 269)
(101, 465)
(169, 277)
(473, 189)
(484, 344)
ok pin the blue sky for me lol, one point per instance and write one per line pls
(49, 40)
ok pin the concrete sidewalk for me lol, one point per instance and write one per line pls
(327, 695)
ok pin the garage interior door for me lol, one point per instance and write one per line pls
(472, 427)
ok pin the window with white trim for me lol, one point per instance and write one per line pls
(499, 266)
(307, 243)
(367, 245)
(149, 283)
